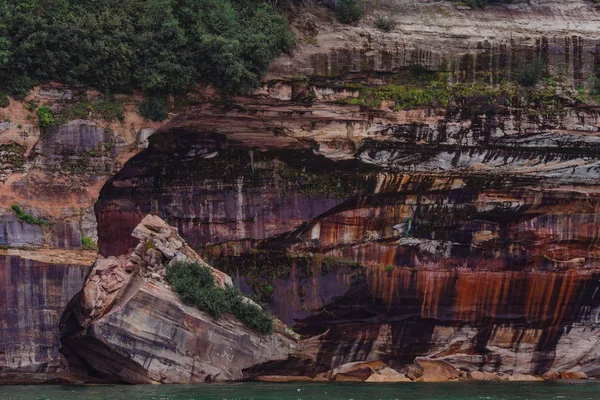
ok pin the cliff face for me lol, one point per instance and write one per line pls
(390, 195)
(462, 230)
(54, 176)
(34, 295)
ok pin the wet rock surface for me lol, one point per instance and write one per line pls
(34, 295)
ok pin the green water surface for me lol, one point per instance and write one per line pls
(589, 390)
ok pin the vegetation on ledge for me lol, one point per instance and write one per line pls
(531, 89)
(195, 286)
(107, 109)
(88, 243)
(27, 218)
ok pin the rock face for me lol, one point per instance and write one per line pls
(126, 325)
(17, 233)
(459, 231)
(34, 295)
(494, 270)
(55, 175)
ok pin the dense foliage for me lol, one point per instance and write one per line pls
(383, 23)
(531, 73)
(160, 46)
(195, 286)
(348, 11)
(154, 108)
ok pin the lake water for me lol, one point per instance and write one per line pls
(589, 390)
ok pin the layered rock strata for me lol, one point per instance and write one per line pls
(54, 176)
(127, 325)
(463, 231)
(34, 296)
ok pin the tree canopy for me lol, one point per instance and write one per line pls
(160, 46)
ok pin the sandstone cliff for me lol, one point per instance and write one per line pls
(54, 176)
(460, 226)
(461, 229)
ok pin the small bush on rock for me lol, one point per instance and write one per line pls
(385, 24)
(254, 317)
(154, 108)
(27, 218)
(88, 243)
(186, 277)
(348, 11)
(531, 73)
(45, 116)
(195, 286)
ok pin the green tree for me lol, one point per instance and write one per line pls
(160, 46)
(348, 11)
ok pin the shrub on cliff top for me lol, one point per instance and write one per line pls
(154, 108)
(348, 11)
(195, 286)
(383, 23)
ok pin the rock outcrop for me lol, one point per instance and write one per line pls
(427, 370)
(461, 232)
(34, 294)
(127, 325)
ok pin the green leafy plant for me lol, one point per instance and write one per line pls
(531, 73)
(154, 108)
(27, 218)
(348, 11)
(106, 109)
(45, 117)
(158, 46)
(30, 105)
(195, 286)
(383, 23)
(4, 102)
(88, 243)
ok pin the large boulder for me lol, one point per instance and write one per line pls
(387, 375)
(523, 378)
(573, 375)
(430, 370)
(127, 325)
(356, 371)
